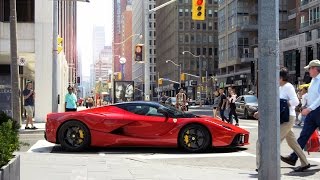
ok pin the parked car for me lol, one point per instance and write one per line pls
(193, 102)
(171, 101)
(246, 105)
(141, 124)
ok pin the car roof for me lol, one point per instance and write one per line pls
(139, 102)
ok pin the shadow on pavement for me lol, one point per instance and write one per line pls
(307, 173)
(141, 150)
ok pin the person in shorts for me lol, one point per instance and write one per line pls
(28, 96)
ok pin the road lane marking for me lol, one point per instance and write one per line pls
(41, 146)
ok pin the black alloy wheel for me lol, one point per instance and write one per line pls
(194, 138)
(74, 136)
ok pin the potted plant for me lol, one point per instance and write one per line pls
(9, 143)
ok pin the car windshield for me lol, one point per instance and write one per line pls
(251, 99)
(172, 110)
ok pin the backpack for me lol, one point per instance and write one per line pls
(284, 111)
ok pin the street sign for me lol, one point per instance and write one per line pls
(194, 83)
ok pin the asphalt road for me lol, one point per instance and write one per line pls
(234, 159)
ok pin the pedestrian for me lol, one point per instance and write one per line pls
(288, 95)
(303, 94)
(222, 104)
(232, 107)
(181, 100)
(312, 112)
(28, 96)
(70, 100)
(163, 98)
(216, 103)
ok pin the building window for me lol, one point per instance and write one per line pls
(308, 36)
(186, 12)
(25, 10)
(180, 12)
(290, 60)
(198, 26)
(181, 25)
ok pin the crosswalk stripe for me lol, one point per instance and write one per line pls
(41, 146)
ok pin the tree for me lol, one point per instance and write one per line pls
(15, 84)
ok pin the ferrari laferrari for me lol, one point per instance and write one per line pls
(144, 124)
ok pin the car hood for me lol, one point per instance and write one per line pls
(252, 104)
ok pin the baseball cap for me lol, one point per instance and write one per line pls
(313, 63)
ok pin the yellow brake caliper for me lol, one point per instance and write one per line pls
(186, 139)
(81, 134)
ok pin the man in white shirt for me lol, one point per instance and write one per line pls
(312, 112)
(287, 92)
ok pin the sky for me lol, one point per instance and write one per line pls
(95, 13)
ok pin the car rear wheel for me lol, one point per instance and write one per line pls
(194, 138)
(74, 136)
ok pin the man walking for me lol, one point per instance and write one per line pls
(28, 96)
(222, 104)
(312, 112)
(289, 97)
(70, 100)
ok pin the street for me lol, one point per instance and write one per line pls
(43, 160)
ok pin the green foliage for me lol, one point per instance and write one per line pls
(9, 138)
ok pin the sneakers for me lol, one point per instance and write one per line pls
(32, 128)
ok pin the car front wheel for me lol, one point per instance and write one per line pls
(74, 136)
(194, 138)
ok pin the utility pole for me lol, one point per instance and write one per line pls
(200, 83)
(15, 83)
(269, 122)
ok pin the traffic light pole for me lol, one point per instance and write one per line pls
(269, 122)
(146, 59)
(55, 58)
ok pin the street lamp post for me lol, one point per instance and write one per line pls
(177, 65)
(112, 77)
(200, 71)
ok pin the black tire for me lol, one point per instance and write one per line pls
(246, 114)
(197, 141)
(65, 139)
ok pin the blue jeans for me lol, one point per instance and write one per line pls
(311, 123)
(223, 117)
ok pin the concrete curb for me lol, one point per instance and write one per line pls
(37, 131)
(11, 171)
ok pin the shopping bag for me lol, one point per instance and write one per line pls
(313, 144)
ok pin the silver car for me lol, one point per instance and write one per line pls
(246, 105)
(171, 101)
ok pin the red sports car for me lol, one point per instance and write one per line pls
(141, 124)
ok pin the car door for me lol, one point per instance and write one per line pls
(146, 122)
(240, 105)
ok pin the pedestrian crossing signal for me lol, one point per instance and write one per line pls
(198, 10)
(60, 47)
(138, 53)
(182, 76)
(160, 81)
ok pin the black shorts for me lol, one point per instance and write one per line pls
(70, 110)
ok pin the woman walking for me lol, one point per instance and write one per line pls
(232, 106)
(216, 103)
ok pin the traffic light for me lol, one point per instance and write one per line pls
(119, 76)
(198, 10)
(138, 53)
(60, 41)
(160, 81)
(182, 76)
(204, 79)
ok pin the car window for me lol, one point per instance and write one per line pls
(239, 99)
(143, 110)
(251, 99)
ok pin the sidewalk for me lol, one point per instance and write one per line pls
(78, 167)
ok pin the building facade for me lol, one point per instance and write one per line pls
(180, 33)
(126, 47)
(103, 65)
(98, 42)
(138, 27)
(238, 37)
(34, 29)
(303, 45)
